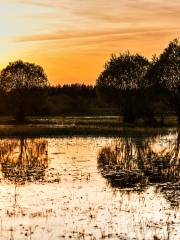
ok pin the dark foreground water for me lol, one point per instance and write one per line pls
(90, 188)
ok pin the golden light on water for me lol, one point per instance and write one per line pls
(72, 39)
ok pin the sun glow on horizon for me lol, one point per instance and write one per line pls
(72, 39)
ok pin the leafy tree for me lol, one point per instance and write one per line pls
(24, 83)
(164, 74)
(121, 82)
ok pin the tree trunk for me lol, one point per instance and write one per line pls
(129, 111)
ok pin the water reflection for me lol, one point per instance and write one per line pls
(73, 201)
(23, 159)
(132, 161)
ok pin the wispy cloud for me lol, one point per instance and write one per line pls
(34, 2)
(130, 11)
(94, 34)
(75, 35)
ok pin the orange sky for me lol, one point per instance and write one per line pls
(72, 39)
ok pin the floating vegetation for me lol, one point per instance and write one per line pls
(139, 161)
(171, 192)
(26, 160)
(116, 172)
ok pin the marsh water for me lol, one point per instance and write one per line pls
(123, 187)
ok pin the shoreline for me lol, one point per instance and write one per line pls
(52, 130)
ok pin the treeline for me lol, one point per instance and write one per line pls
(75, 99)
(79, 99)
(67, 100)
(70, 99)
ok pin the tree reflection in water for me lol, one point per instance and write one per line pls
(23, 159)
(139, 161)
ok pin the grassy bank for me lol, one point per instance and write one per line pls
(101, 121)
(71, 126)
(107, 121)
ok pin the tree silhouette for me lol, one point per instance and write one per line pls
(121, 80)
(164, 74)
(23, 82)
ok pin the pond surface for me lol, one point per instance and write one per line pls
(90, 187)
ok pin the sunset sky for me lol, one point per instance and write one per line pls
(72, 39)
